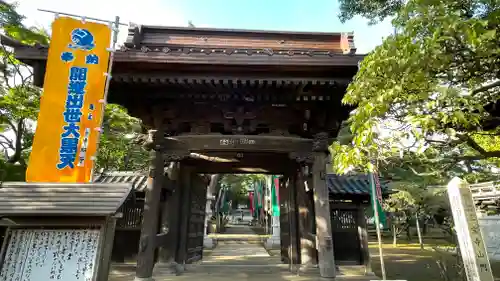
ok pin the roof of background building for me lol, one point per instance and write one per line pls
(139, 180)
(351, 184)
(61, 199)
(345, 184)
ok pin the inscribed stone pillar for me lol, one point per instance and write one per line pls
(147, 242)
(324, 239)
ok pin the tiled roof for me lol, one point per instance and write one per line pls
(348, 184)
(351, 184)
(68, 199)
(138, 180)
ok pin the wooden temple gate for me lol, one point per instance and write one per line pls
(231, 101)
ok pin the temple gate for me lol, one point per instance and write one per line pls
(233, 101)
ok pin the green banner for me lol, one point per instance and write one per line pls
(255, 201)
(225, 201)
(260, 195)
(274, 195)
(376, 199)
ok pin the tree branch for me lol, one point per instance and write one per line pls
(8, 142)
(485, 87)
(474, 145)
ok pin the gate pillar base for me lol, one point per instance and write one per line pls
(143, 279)
(273, 243)
(167, 268)
(208, 243)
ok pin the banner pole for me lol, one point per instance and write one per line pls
(377, 225)
(103, 102)
(79, 16)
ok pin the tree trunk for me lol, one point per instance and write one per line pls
(17, 156)
(425, 227)
(417, 223)
(408, 229)
(394, 236)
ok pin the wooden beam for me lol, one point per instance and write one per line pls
(156, 57)
(249, 163)
(241, 82)
(239, 143)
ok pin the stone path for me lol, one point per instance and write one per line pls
(238, 256)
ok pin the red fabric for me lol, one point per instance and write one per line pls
(277, 186)
(250, 197)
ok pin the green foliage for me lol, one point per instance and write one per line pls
(430, 84)
(11, 172)
(239, 185)
(11, 23)
(19, 99)
(120, 146)
(374, 10)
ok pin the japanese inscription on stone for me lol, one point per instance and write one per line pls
(472, 247)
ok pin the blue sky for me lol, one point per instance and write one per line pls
(293, 15)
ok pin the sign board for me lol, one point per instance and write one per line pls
(40, 254)
(471, 242)
(490, 228)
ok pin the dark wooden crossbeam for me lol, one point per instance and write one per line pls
(238, 143)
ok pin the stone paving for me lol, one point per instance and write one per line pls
(238, 256)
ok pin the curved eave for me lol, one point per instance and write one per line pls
(30, 54)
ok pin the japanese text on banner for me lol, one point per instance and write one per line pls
(70, 110)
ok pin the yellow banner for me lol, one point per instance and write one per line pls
(70, 109)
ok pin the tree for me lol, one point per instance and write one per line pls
(373, 10)
(414, 203)
(120, 146)
(436, 83)
(19, 98)
(239, 185)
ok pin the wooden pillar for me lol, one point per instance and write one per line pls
(170, 221)
(185, 189)
(147, 241)
(307, 239)
(284, 221)
(293, 248)
(363, 238)
(312, 220)
(211, 189)
(322, 208)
